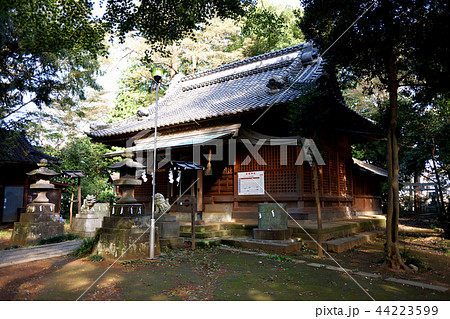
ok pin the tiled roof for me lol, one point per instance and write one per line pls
(230, 89)
(20, 150)
(371, 168)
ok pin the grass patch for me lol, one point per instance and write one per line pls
(5, 233)
(207, 244)
(57, 239)
(279, 258)
(95, 258)
(85, 248)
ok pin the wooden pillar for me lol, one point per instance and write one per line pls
(79, 195)
(71, 211)
(193, 213)
(200, 190)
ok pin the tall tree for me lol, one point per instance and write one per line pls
(388, 42)
(162, 22)
(267, 28)
(48, 52)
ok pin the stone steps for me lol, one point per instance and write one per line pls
(208, 234)
(215, 230)
(339, 231)
(339, 245)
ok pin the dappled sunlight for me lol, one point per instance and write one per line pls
(258, 295)
(395, 289)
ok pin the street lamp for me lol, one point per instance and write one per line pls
(157, 75)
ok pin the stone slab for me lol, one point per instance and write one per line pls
(278, 247)
(316, 265)
(126, 222)
(418, 284)
(298, 261)
(125, 244)
(28, 233)
(274, 234)
(38, 217)
(367, 274)
(338, 269)
(272, 216)
(168, 229)
(173, 242)
(86, 227)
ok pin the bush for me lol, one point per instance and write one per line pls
(57, 239)
(85, 248)
(95, 258)
(107, 196)
(11, 247)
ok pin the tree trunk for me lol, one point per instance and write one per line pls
(393, 258)
(440, 197)
(319, 211)
(417, 195)
(71, 211)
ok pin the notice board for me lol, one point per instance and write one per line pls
(251, 183)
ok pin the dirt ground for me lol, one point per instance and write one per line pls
(214, 274)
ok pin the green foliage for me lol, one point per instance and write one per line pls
(279, 258)
(82, 154)
(163, 22)
(95, 258)
(310, 112)
(129, 262)
(57, 239)
(134, 92)
(267, 28)
(207, 244)
(85, 248)
(106, 196)
(49, 53)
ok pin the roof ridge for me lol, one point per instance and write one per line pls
(253, 59)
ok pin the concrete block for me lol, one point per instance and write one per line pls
(418, 284)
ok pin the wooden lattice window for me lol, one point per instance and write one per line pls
(277, 178)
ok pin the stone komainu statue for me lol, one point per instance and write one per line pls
(161, 205)
(88, 202)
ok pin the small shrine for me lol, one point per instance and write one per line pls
(40, 219)
(125, 233)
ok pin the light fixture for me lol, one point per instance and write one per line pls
(157, 73)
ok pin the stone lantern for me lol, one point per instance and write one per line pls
(41, 203)
(127, 205)
(41, 219)
(124, 234)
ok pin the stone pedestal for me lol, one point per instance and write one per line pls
(169, 231)
(38, 222)
(272, 222)
(90, 218)
(125, 238)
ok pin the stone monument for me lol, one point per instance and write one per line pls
(90, 217)
(40, 219)
(272, 222)
(125, 233)
(168, 227)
